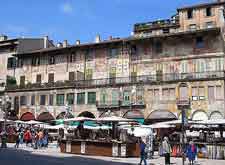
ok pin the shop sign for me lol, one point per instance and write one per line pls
(123, 150)
(82, 148)
(68, 147)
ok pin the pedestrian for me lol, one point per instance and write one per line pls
(27, 137)
(143, 154)
(166, 150)
(17, 140)
(191, 152)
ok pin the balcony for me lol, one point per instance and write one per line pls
(120, 104)
(122, 81)
(160, 24)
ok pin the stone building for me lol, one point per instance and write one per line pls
(8, 63)
(134, 77)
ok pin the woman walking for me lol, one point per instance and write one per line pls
(191, 152)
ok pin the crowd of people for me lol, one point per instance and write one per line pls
(33, 137)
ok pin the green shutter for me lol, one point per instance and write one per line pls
(115, 97)
(91, 97)
(126, 98)
(103, 98)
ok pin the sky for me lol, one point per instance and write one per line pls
(82, 19)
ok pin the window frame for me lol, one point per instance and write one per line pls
(42, 100)
(81, 98)
(60, 99)
(190, 14)
(90, 100)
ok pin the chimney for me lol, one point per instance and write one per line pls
(65, 43)
(110, 38)
(45, 41)
(77, 42)
(3, 37)
(97, 39)
(59, 45)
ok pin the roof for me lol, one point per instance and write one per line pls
(202, 5)
(120, 40)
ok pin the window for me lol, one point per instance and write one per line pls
(208, 11)
(126, 98)
(91, 97)
(89, 74)
(192, 27)
(51, 77)
(72, 57)
(70, 98)
(89, 54)
(190, 14)
(209, 24)
(81, 98)
(51, 100)
(115, 97)
(51, 60)
(71, 76)
(183, 91)
(168, 94)
(60, 99)
(38, 79)
(80, 75)
(201, 91)
(154, 94)
(140, 96)
(11, 63)
(35, 61)
(194, 93)
(42, 99)
(103, 97)
(133, 50)
(219, 92)
(158, 47)
(23, 100)
(32, 100)
(211, 94)
(165, 94)
(199, 42)
(113, 52)
(22, 80)
(19, 63)
(167, 30)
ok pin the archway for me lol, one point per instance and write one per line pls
(216, 115)
(27, 116)
(135, 114)
(86, 114)
(64, 115)
(45, 116)
(160, 115)
(108, 114)
(199, 115)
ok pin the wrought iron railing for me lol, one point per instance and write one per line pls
(144, 79)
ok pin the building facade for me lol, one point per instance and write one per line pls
(135, 77)
(9, 63)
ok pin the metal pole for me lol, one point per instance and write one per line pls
(183, 145)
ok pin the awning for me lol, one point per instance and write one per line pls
(45, 116)
(161, 114)
(27, 116)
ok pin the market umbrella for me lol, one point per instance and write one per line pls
(79, 119)
(114, 119)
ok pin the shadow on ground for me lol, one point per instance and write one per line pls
(21, 157)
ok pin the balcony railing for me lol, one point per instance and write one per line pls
(155, 25)
(117, 104)
(145, 79)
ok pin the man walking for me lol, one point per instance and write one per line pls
(166, 150)
(142, 152)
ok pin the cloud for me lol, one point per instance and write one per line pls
(66, 8)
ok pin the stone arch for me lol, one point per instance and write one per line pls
(216, 115)
(27, 116)
(108, 114)
(63, 115)
(159, 116)
(133, 114)
(199, 115)
(86, 114)
(45, 116)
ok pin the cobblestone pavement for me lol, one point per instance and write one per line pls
(52, 155)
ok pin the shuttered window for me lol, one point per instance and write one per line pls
(219, 92)
(91, 97)
(201, 91)
(194, 93)
(81, 98)
(60, 99)
(211, 94)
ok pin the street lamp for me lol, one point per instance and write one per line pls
(183, 104)
(5, 104)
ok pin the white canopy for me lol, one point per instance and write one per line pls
(114, 119)
(212, 122)
(80, 119)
